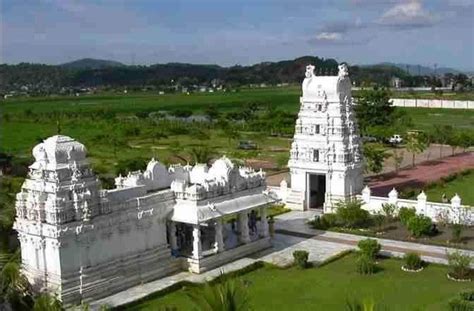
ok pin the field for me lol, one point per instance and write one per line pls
(329, 287)
(93, 119)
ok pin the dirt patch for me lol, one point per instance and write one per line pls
(421, 174)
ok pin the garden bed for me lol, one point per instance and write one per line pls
(396, 231)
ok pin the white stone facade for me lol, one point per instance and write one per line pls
(83, 242)
(325, 159)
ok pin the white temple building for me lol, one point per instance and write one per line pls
(325, 160)
(83, 242)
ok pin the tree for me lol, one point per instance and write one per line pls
(416, 143)
(212, 112)
(14, 287)
(441, 135)
(231, 133)
(158, 134)
(397, 158)
(229, 295)
(201, 154)
(374, 109)
(47, 302)
(374, 155)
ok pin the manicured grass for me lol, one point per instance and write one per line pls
(329, 287)
(463, 185)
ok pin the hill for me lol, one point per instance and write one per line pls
(419, 70)
(39, 79)
(91, 63)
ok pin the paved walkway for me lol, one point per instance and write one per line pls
(292, 233)
(294, 224)
(421, 174)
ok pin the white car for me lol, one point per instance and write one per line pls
(395, 139)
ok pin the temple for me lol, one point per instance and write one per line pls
(84, 242)
(325, 159)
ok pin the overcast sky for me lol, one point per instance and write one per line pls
(228, 32)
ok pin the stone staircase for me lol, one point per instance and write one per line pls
(295, 200)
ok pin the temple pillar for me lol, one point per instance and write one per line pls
(244, 227)
(219, 239)
(197, 247)
(264, 222)
(172, 236)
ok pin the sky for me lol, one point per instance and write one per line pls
(228, 32)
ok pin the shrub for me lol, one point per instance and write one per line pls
(467, 295)
(413, 261)
(465, 302)
(456, 231)
(324, 222)
(459, 265)
(365, 264)
(420, 225)
(351, 215)
(301, 258)
(369, 247)
(389, 210)
(457, 304)
(379, 220)
(405, 214)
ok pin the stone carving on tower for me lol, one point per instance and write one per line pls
(325, 158)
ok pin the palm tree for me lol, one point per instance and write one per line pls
(201, 154)
(14, 287)
(229, 295)
(47, 302)
(366, 305)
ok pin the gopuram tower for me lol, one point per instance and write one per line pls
(325, 159)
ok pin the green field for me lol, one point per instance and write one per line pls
(330, 286)
(109, 127)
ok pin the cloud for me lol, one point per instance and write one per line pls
(329, 36)
(410, 14)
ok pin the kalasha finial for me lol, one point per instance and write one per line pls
(309, 71)
(343, 70)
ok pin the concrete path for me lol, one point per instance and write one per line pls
(292, 233)
(294, 224)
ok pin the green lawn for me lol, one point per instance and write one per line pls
(427, 118)
(462, 185)
(328, 288)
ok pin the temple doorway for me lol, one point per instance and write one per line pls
(316, 190)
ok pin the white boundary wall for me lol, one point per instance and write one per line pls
(452, 212)
(433, 103)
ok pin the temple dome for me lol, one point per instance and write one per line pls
(221, 167)
(59, 149)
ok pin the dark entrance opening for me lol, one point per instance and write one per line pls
(316, 190)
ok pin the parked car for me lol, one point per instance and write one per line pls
(396, 139)
(247, 145)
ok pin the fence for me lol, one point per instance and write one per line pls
(452, 212)
(433, 103)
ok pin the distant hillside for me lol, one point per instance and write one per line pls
(91, 63)
(48, 79)
(418, 70)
